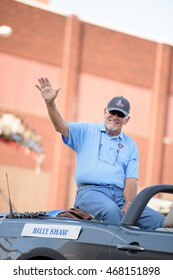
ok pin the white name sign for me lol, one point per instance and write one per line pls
(51, 231)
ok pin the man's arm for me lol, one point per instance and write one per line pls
(49, 95)
(130, 192)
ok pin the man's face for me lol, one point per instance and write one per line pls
(114, 122)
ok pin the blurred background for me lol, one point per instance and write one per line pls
(91, 63)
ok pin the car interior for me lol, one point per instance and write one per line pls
(168, 223)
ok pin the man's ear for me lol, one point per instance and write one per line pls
(105, 111)
(126, 119)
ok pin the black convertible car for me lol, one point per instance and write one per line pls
(30, 236)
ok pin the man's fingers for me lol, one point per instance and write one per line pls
(57, 91)
(40, 81)
(38, 87)
(44, 82)
(47, 82)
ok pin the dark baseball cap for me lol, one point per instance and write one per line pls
(119, 103)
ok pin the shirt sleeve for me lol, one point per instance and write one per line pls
(132, 167)
(76, 137)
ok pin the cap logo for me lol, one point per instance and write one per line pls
(120, 103)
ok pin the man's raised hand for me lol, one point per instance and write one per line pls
(48, 93)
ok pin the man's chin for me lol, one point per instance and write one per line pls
(111, 129)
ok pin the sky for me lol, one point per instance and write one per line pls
(149, 19)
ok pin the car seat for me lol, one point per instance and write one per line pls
(169, 220)
(168, 223)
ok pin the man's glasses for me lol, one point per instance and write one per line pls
(118, 113)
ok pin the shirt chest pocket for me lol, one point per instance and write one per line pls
(109, 152)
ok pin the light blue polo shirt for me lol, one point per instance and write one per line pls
(100, 158)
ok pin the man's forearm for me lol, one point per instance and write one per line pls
(57, 120)
(130, 190)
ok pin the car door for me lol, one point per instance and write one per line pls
(134, 243)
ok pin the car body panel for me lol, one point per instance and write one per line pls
(46, 237)
(139, 244)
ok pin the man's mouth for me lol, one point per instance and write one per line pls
(114, 121)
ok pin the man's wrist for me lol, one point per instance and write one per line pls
(128, 202)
